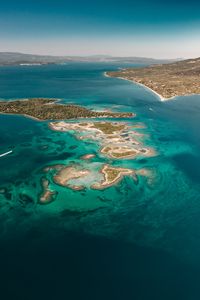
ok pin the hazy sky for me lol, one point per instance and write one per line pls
(148, 28)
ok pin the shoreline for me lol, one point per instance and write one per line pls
(105, 183)
(26, 108)
(116, 140)
(162, 99)
(23, 115)
(141, 84)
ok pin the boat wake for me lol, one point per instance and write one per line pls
(6, 153)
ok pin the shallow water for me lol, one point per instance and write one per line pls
(134, 240)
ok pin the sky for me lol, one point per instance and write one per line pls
(148, 28)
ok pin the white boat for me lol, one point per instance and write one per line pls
(6, 153)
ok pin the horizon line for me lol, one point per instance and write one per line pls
(91, 55)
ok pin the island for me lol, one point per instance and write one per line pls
(76, 177)
(166, 80)
(117, 140)
(47, 194)
(111, 176)
(68, 173)
(87, 156)
(51, 109)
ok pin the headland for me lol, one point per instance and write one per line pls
(165, 80)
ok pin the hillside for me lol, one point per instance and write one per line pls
(169, 80)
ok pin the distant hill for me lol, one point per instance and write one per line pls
(15, 58)
(169, 80)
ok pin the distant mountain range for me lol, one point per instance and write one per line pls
(15, 58)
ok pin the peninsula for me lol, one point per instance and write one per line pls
(50, 109)
(167, 80)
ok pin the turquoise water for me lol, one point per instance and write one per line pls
(131, 241)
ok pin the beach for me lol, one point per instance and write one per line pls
(140, 84)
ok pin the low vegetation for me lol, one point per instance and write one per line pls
(49, 109)
(123, 154)
(108, 128)
(112, 173)
(169, 80)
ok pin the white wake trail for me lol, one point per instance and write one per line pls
(6, 153)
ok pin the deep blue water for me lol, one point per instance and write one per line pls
(127, 242)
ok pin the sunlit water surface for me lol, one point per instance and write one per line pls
(131, 241)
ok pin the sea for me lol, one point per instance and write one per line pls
(132, 241)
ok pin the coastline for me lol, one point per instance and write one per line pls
(105, 182)
(23, 115)
(162, 99)
(29, 109)
(143, 85)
